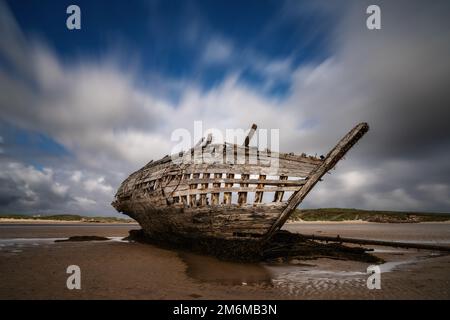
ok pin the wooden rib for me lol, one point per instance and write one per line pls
(250, 135)
(274, 182)
(203, 199)
(193, 197)
(240, 151)
(242, 196)
(227, 195)
(288, 168)
(299, 182)
(235, 208)
(184, 199)
(215, 195)
(330, 161)
(259, 194)
(279, 194)
(229, 190)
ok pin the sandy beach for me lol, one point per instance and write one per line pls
(52, 221)
(33, 266)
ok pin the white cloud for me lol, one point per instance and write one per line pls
(76, 176)
(217, 50)
(98, 185)
(85, 203)
(26, 187)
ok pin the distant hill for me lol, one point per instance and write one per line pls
(337, 214)
(67, 217)
(325, 214)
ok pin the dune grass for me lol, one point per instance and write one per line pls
(339, 214)
(323, 214)
(66, 217)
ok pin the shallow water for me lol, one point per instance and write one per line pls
(211, 269)
(17, 245)
(427, 233)
(294, 276)
(303, 275)
(63, 230)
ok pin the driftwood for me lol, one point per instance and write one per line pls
(407, 245)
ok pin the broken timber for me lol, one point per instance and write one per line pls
(379, 243)
(224, 191)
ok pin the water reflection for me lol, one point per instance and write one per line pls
(210, 269)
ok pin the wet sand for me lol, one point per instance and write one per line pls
(64, 230)
(427, 232)
(33, 266)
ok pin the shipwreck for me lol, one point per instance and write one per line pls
(219, 192)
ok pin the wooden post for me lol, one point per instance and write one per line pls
(227, 195)
(242, 196)
(184, 199)
(259, 194)
(203, 200)
(250, 135)
(193, 197)
(215, 196)
(279, 194)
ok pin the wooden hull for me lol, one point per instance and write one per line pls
(223, 221)
(226, 192)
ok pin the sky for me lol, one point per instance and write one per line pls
(82, 109)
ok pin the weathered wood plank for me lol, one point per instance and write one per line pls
(259, 194)
(250, 135)
(242, 195)
(279, 194)
(263, 181)
(254, 169)
(227, 195)
(203, 198)
(227, 190)
(215, 195)
(192, 197)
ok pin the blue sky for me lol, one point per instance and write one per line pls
(81, 109)
(170, 37)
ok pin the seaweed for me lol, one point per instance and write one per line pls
(82, 238)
